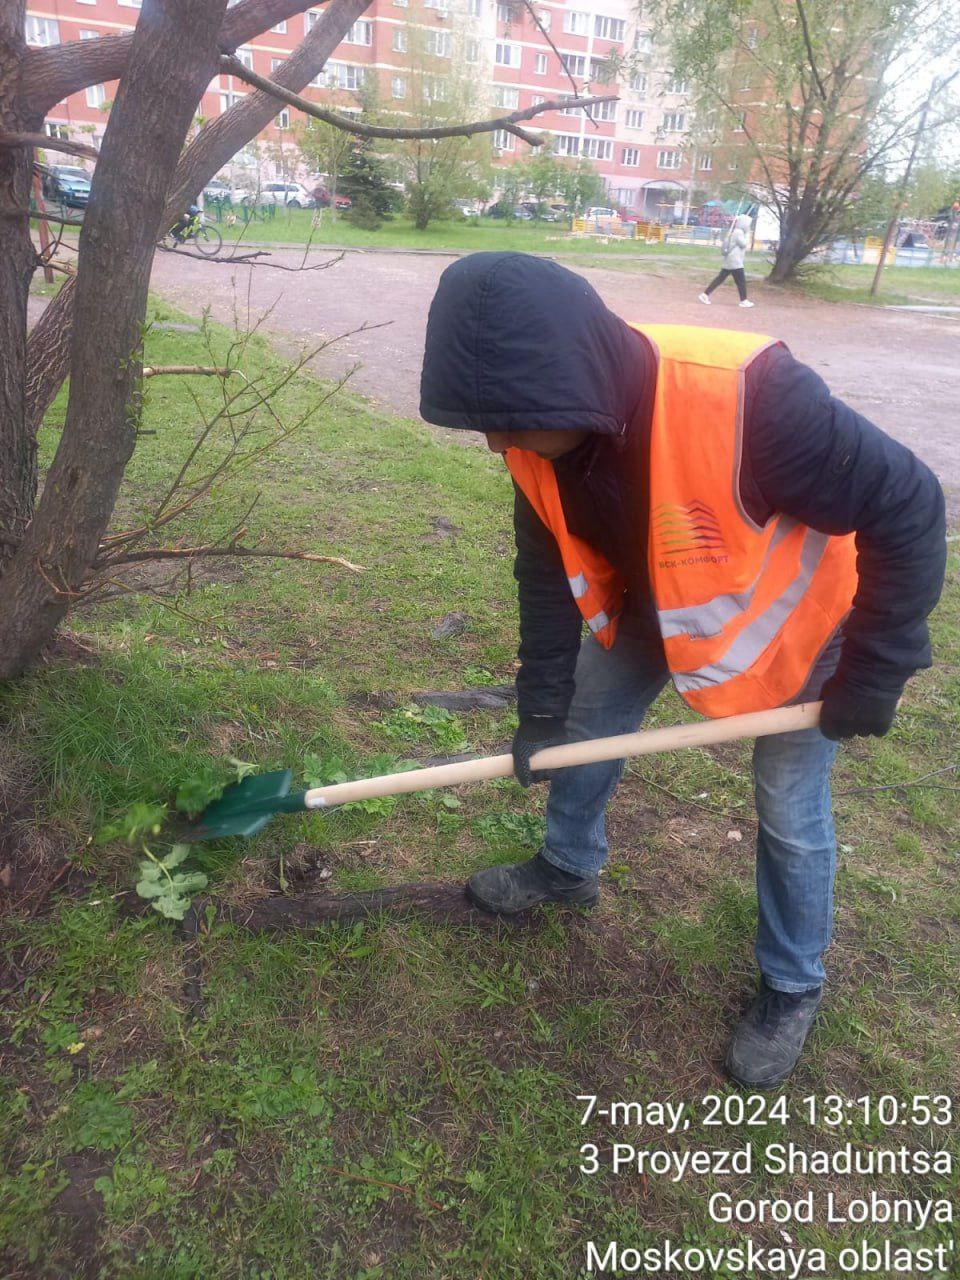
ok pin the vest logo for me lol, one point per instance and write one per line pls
(693, 527)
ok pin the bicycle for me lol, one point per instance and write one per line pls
(207, 239)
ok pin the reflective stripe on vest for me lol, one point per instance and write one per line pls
(744, 611)
(595, 585)
(752, 641)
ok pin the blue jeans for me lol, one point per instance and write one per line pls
(796, 845)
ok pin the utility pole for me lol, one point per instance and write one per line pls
(904, 182)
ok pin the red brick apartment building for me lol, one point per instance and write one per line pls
(640, 145)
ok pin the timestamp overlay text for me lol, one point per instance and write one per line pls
(822, 1185)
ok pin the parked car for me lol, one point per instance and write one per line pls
(217, 189)
(294, 195)
(597, 211)
(468, 208)
(321, 198)
(545, 214)
(67, 185)
(503, 210)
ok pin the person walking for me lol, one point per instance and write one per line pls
(734, 249)
(698, 499)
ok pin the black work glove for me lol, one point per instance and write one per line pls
(533, 734)
(847, 714)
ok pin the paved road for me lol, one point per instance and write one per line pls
(899, 368)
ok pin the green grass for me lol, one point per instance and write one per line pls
(397, 1098)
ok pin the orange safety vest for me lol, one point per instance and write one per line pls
(744, 610)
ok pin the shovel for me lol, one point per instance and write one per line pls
(246, 807)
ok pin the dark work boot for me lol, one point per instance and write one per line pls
(521, 885)
(770, 1036)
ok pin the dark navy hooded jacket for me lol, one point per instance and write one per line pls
(519, 343)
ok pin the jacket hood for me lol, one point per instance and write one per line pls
(744, 222)
(516, 343)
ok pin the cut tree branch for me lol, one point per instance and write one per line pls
(50, 144)
(235, 67)
(154, 371)
(232, 549)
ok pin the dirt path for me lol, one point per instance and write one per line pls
(899, 368)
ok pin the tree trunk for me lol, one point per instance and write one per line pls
(18, 466)
(172, 59)
(793, 248)
(213, 147)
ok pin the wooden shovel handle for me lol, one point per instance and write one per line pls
(756, 724)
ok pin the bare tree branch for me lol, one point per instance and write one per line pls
(235, 67)
(546, 35)
(250, 258)
(50, 144)
(806, 40)
(232, 549)
(154, 371)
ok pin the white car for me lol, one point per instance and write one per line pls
(292, 194)
(595, 211)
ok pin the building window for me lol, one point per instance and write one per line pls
(283, 119)
(705, 164)
(567, 144)
(504, 12)
(474, 8)
(601, 70)
(438, 43)
(246, 57)
(228, 100)
(340, 75)
(752, 36)
(360, 33)
(275, 65)
(674, 121)
(89, 35)
(741, 124)
(573, 63)
(540, 65)
(86, 2)
(132, 4)
(504, 97)
(280, 28)
(642, 42)
(96, 95)
(56, 130)
(546, 18)
(434, 89)
(604, 111)
(471, 49)
(608, 28)
(42, 31)
(440, 5)
(630, 157)
(310, 20)
(597, 148)
(401, 4)
(504, 141)
(575, 23)
(634, 119)
(400, 40)
(668, 159)
(536, 99)
(507, 55)
(398, 87)
(638, 83)
(676, 84)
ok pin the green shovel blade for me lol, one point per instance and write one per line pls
(245, 807)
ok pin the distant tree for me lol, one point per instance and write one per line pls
(325, 149)
(438, 88)
(581, 186)
(806, 99)
(363, 178)
(543, 176)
